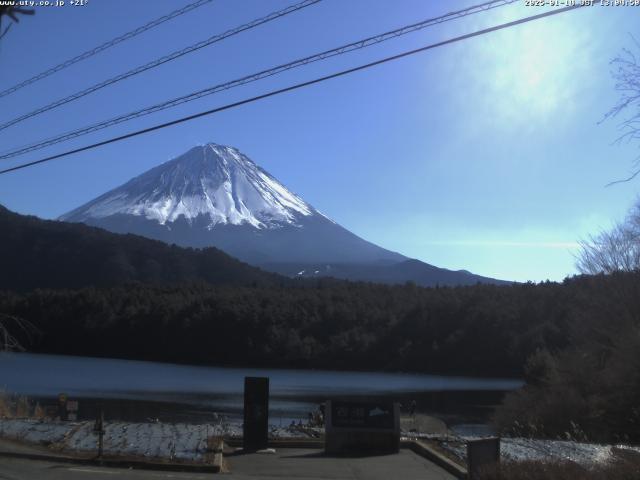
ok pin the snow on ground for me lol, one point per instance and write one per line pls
(520, 449)
(32, 431)
(188, 442)
(174, 441)
(153, 440)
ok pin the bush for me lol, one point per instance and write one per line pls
(588, 390)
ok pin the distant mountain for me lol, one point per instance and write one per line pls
(213, 195)
(36, 253)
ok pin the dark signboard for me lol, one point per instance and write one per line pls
(369, 428)
(362, 415)
(256, 413)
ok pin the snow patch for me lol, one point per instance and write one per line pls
(212, 180)
(173, 441)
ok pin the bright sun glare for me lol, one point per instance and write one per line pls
(531, 68)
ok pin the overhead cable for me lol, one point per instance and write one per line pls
(295, 87)
(106, 45)
(162, 60)
(360, 44)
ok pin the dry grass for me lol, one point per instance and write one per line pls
(5, 406)
(13, 406)
(38, 412)
(622, 468)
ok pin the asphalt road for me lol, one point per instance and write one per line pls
(308, 464)
(21, 469)
(286, 463)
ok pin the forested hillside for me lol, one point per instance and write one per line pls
(36, 253)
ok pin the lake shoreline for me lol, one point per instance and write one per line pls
(251, 366)
(136, 390)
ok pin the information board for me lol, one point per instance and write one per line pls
(362, 414)
(355, 426)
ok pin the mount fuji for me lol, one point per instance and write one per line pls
(213, 195)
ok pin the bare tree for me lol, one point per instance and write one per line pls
(15, 333)
(618, 249)
(12, 12)
(626, 73)
(615, 250)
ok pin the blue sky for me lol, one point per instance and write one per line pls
(486, 155)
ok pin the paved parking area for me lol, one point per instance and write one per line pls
(290, 463)
(23, 469)
(308, 464)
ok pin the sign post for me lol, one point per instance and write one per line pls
(255, 431)
(62, 406)
(99, 429)
(72, 410)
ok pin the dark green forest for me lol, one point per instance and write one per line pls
(484, 330)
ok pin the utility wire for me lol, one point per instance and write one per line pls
(167, 58)
(106, 45)
(295, 86)
(257, 76)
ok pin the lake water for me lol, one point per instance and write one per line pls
(293, 393)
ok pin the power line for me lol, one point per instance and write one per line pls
(106, 45)
(162, 60)
(257, 76)
(296, 86)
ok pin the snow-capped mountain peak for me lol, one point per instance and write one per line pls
(214, 181)
(214, 196)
